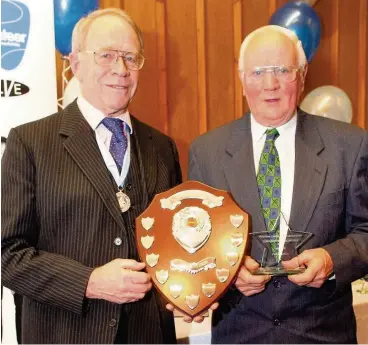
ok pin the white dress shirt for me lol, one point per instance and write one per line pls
(103, 136)
(285, 145)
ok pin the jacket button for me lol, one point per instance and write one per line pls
(276, 322)
(118, 241)
(276, 283)
(129, 186)
(112, 323)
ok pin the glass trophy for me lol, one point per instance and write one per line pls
(270, 263)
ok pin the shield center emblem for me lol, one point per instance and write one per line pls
(191, 228)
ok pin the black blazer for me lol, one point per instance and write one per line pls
(330, 199)
(60, 217)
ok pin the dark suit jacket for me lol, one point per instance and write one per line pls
(60, 217)
(330, 200)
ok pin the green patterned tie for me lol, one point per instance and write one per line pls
(269, 187)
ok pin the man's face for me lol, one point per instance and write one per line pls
(271, 101)
(108, 88)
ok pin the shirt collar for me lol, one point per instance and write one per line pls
(258, 130)
(94, 116)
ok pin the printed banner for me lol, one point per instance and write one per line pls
(28, 70)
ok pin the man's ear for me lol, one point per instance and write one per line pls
(75, 64)
(241, 77)
(303, 75)
(305, 72)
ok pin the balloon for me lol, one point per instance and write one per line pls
(328, 101)
(303, 21)
(71, 92)
(66, 15)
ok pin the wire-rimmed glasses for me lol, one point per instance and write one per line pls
(108, 57)
(282, 73)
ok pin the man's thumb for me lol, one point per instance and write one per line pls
(132, 265)
(293, 263)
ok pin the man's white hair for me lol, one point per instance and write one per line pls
(302, 59)
(81, 29)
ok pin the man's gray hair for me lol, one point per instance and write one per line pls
(302, 59)
(81, 29)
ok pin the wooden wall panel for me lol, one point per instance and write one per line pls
(111, 3)
(182, 75)
(145, 103)
(323, 68)
(348, 70)
(189, 83)
(362, 119)
(220, 67)
(255, 14)
(238, 39)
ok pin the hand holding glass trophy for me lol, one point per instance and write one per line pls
(278, 248)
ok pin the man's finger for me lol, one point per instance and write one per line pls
(139, 288)
(250, 264)
(317, 283)
(304, 278)
(170, 307)
(187, 319)
(131, 295)
(139, 277)
(198, 319)
(242, 283)
(214, 306)
(293, 263)
(249, 278)
(253, 292)
(130, 264)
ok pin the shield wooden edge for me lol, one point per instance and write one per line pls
(192, 238)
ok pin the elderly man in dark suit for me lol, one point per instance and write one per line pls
(316, 172)
(72, 185)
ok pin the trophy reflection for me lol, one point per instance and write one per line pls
(278, 247)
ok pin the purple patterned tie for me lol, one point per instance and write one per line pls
(119, 141)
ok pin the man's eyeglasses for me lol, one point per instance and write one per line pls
(282, 73)
(108, 57)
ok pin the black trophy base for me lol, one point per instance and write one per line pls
(277, 271)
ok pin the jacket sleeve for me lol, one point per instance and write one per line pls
(350, 254)
(194, 171)
(26, 268)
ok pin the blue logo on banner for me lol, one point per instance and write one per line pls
(15, 22)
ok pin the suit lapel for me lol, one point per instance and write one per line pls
(240, 171)
(147, 155)
(309, 176)
(83, 148)
(310, 172)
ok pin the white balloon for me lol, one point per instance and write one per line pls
(328, 101)
(71, 92)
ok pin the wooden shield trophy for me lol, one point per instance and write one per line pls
(192, 238)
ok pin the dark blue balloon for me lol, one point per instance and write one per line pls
(66, 15)
(303, 21)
